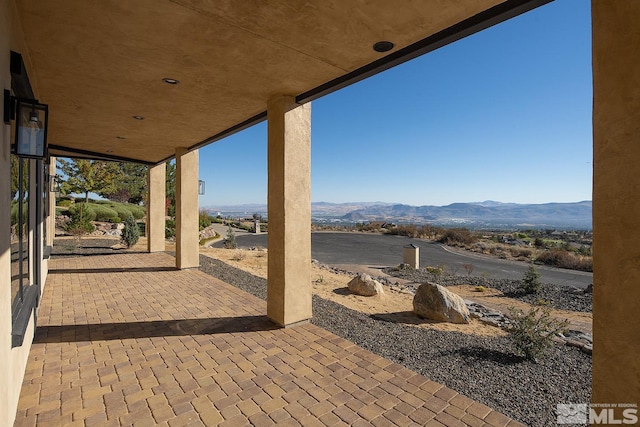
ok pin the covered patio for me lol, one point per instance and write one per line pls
(129, 339)
(152, 81)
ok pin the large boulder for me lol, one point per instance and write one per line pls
(434, 302)
(364, 285)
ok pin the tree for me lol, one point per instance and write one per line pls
(126, 182)
(83, 176)
(171, 188)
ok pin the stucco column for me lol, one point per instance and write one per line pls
(289, 209)
(155, 207)
(187, 242)
(616, 201)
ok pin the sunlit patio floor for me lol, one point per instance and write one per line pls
(127, 339)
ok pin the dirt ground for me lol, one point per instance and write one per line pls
(394, 305)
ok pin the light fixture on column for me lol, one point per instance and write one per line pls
(54, 184)
(200, 187)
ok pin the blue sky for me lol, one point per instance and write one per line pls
(502, 115)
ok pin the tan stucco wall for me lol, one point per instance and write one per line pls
(187, 236)
(289, 206)
(156, 208)
(616, 201)
(12, 360)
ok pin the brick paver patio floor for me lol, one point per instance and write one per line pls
(127, 339)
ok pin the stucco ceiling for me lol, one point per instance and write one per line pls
(98, 63)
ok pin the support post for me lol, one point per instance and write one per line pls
(616, 205)
(187, 242)
(156, 207)
(289, 211)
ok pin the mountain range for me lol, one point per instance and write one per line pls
(475, 214)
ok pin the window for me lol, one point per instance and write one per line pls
(24, 295)
(19, 230)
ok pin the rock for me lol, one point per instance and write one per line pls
(434, 302)
(364, 285)
(589, 289)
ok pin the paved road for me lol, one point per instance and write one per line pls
(381, 250)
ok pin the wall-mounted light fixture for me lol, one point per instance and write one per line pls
(31, 132)
(200, 187)
(54, 184)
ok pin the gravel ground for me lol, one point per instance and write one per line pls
(560, 297)
(484, 369)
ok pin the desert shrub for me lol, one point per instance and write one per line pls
(238, 256)
(532, 332)
(169, 228)
(468, 268)
(564, 259)
(131, 232)
(104, 213)
(230, 240)
(531, 280)
(436, 271)
(520, 252)
(457, 236)
(84, 209)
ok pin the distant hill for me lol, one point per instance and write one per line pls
(489, 214)
(556, 215)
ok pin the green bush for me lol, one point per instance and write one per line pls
(79, 224)
(14, 212)
(137, 211)
(531, 280)
(104, 213)
(204, 219)
(122, 211)
(532, 333)
(126, 209)
(169, 228)
(115, 220)
(65, 203)
(131, 232)
(88, 214)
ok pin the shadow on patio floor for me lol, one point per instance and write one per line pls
(157, 328)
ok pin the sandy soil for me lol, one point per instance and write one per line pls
(394, 305)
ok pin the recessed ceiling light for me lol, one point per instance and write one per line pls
(138, 117)
(121, 137)
(383, 46)
(171, 81)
